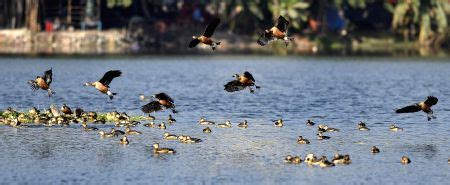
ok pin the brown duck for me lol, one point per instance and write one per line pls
(424, 106)
(206, 37)
(43, 82)
(163, 101)
(103, 84)
(241, 82)
(277, 32)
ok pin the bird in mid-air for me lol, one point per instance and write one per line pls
(424, 106)
(277, 32)
(206, 37)
(163, 101)
(43, 82)
(103, 84)
(241, 82)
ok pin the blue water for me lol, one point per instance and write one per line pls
(338, 92)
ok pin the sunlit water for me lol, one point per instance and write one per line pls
(335, 91)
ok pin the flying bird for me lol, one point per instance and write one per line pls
(103, 84)
(206, 37)
(42, 82)
(424, 106)
(241, 82)
(163, 101)
(277, 32)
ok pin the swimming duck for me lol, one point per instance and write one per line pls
(405, 160)
(66, 110)
(163, 101)
(151, 124)
(375, 150)
(325, 163)
(302, 140)
(320, 136)
(117, 132)
(309, 123)
(33, 111)
(424, 106)
(311, 159)
(87, 128)
(341, 159)
(162, 125)
(105, 134)
(362, 126)
(241, 82)
(128, 131)
(189, 139)
(276, 32)
(206, 37)
(325, 128)
(203, 121)
(158, 150)
(103, 84)
(293, 159)
(124, 140)
(171, 119)
(278, 123)
(243, 124)
(227, 124)
(168, 136)
(207, 130)
(395, 128)
(42, 82)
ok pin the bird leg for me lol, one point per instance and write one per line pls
(430, 116)
(251, 90)
(50, 92)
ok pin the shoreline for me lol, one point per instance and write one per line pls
(23, 43)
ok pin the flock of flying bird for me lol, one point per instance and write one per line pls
(163, 101)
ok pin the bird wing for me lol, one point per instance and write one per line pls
(109, 76)
(282, 24)
(234, 85)
(265, 38)
(431, 100)
(211, 27)
(48, 76)
(193, 43)
(151, 107)
(409, 109)
(249, 76)
(163, 96)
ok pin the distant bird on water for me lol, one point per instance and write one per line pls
(103, 84)
(163, 101)
(241, 82)
(277, 32)
(424, 106)
(43, 82)
(206, 37)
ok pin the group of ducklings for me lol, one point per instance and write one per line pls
(64, 115)
(226, 124)
(323, 162)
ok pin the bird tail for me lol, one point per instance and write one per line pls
(111, 94)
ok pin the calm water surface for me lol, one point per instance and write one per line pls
(335, 91)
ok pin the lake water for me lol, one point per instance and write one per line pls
(336, 91)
